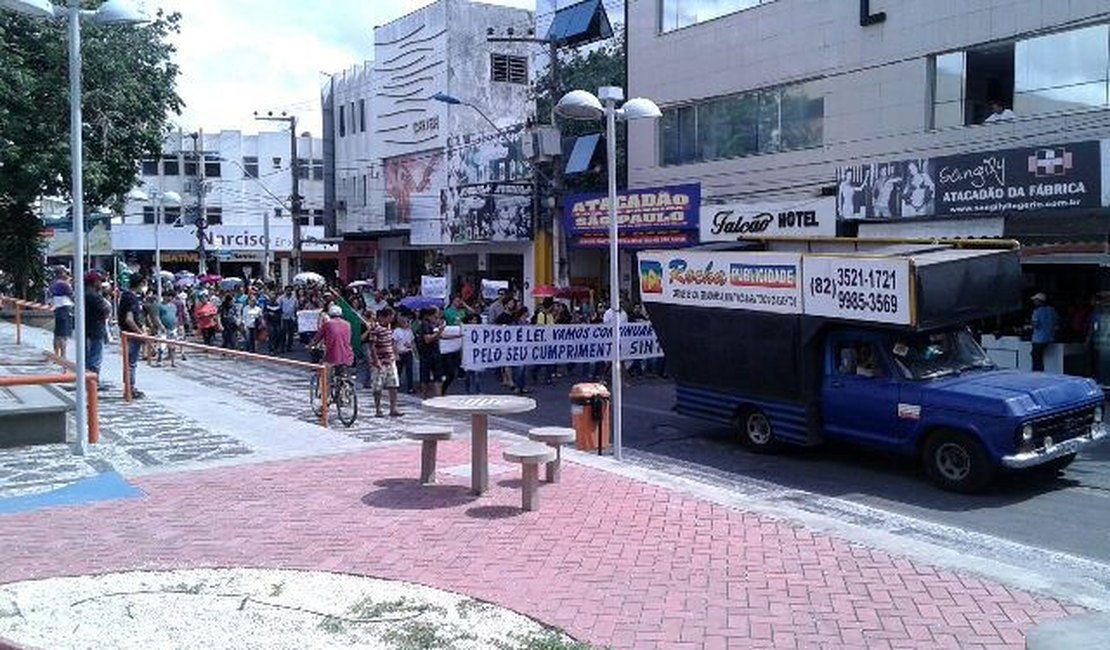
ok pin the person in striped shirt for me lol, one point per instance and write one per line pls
(383, 362)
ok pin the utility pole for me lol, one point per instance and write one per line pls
(294, 170)
(201, 222)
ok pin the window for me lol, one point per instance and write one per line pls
(1044, 74)
(150, 168)
(859, 359)
(354, 123)
(277, 212)
(508, 68)
(677, 14)
(276, 162)
(1060, 72)
(303, 172)
(317, 170)
(342, 121)
(170, 214)
(148, 214)
(211, 166)
(214, 216)
(364, 190)
(250, 166)
(362, 116)
(771, 120)
(190, 164)
(170, 166)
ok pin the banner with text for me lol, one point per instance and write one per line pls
(1011, 180)
(737, 280)
(654, 217)
(494, 346)
(432, 286)
(858, 288)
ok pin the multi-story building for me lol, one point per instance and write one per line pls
(901, 118)
(416, 185)
(243, 184)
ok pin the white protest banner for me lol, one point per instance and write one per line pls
(491, 287)
(757, 281)
(308, 320)
(451, 339)
(433, 287)
(858, 288)
(493, 346)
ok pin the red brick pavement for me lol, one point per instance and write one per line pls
(608, 559)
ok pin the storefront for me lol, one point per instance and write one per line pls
(1050, 199)
(648, 218)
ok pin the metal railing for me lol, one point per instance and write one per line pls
(320, 369)
(20, 306)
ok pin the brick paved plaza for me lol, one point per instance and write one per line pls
(611, 560)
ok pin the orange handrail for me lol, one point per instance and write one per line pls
(20, 305)
(91, 407)
(319, 368)
(92, 384)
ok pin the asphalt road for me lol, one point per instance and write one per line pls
(1068, 514)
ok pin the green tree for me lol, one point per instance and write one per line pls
(129, 83)
(587, 69)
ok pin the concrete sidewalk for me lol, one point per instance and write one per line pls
(613, 558)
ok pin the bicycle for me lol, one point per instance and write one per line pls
(341, 393)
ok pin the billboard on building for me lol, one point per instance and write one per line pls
(1010, 180)
(412, 179)
(804, 218)
(653, 217)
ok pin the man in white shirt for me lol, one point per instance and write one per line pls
(999, 113)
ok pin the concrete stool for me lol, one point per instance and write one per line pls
(554, 437)
(530, 456)
(429, 437)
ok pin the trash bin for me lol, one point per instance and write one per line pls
(589, 415)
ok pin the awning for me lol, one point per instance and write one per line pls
(978, 228)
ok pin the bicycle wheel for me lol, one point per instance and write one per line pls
(314, 395)
(346, 402)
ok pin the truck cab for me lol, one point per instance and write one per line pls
(799, 341)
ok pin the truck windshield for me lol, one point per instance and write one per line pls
(927, 356)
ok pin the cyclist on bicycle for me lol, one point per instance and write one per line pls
(335, 334)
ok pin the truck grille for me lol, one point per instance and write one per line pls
(1064, 426)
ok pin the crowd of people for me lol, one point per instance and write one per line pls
(394, 340)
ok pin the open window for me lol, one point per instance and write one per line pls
(859, 359)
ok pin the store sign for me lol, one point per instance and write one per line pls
(732, 221)
(1013, 180)
(854, 288)
(770, 282)
(141, 237)
(655, 217)
(494, 346)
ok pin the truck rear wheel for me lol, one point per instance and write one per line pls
(756, 431)
(957, 462)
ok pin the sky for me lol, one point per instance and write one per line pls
(242, 56)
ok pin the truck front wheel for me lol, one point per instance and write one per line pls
(756, 431)
(957, 461)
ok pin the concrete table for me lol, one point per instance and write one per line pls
(479, 408)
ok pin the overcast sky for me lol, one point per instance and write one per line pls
(241, 56)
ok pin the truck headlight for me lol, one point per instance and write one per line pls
(1027, 433)
(1098, 414)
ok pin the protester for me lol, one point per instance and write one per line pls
(473, 377)
(335, 334)
(403, 344)
(61, 293)
(131, 318)
(229, 322)
(382, 354)
(250, 315)
(288, 305)
(1044, 322)
(97, 311)
(426, 334)
(206, 314)
(167, 317)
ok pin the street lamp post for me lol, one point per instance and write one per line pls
(160, 200)
(582, 105)
(112, 12)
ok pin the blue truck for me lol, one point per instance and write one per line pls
(797, 341)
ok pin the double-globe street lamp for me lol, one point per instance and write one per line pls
(161, 199)
(583, 105)
(112, 12)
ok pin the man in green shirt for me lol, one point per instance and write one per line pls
(457, 312)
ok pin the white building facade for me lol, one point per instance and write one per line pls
(419, 186)
(242, 184)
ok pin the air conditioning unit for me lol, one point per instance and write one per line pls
(547, 142)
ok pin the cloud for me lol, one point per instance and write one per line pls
(242, 56)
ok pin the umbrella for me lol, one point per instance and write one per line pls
(359, 284)
(185, 281)
(308, 277)
(416, 303)
(230, 283)
(165, 275)
(209, 279)
(573, 293)
(544, 291)
(182, 274)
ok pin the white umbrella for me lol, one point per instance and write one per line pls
(165, 275)
(230, 283)
(308, 277)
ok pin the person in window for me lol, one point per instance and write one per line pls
(867, 365)
(999, 112)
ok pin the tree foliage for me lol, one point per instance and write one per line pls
(587, 69)
(128, 91)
